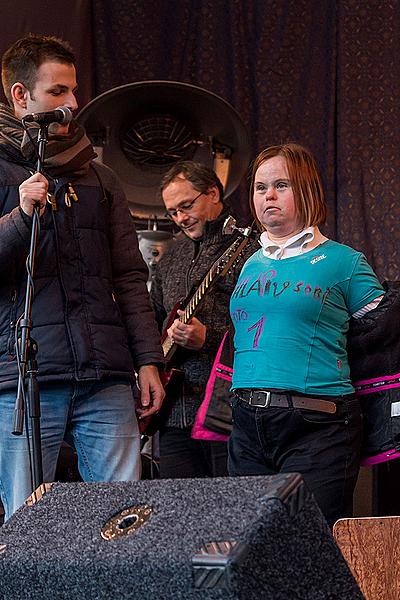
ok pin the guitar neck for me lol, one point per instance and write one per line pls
(218, 269)
(199, 294)
(168, 345)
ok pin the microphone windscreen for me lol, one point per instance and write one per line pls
(67, 115)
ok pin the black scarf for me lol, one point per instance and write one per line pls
(66, 154)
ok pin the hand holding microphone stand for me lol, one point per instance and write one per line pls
(27, 347)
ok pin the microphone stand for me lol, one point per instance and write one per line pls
(27, 347)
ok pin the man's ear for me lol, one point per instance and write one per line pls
(214, 194)
(19, 95)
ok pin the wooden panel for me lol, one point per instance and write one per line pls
(371, 547)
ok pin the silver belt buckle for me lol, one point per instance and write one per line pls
(266, 402)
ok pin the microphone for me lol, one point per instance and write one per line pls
(61, 115)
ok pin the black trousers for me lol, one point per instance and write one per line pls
(182, 456)
(324, 448)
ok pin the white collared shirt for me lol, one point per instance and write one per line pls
(301, 242)
(305, 240)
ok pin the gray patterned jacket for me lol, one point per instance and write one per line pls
(178, 274)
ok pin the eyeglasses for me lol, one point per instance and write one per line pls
(184, 208)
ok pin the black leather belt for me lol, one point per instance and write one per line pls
(266, 398)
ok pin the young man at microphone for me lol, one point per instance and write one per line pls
(91, 313)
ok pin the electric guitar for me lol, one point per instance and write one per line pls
(172, 377)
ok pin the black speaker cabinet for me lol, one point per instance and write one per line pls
(237, 538)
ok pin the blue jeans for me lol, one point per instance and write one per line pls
(98, 419)
(325, 448)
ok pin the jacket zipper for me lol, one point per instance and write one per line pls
(189, 286)
(182, 399)
(67, 325)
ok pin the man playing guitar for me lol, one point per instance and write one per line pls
(193, 197)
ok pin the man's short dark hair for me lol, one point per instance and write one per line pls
(22, 60)
(201, 177)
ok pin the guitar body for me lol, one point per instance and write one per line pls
(172, 381)
(169, 347)
(171, 378)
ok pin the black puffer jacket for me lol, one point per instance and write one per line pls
(91, 313)
(374, 358)
(179, 271)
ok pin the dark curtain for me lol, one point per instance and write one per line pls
(368, 133)
(274, 61)
(324, 74)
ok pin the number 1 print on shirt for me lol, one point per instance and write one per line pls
(258, 327)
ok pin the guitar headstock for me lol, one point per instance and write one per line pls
(219, 268)
(230, 226)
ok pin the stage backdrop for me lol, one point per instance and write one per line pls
(323, 73)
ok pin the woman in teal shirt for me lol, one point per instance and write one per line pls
(294, 408)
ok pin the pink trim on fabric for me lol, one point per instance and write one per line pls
(377, 389)
(375, 379)
(199, 432)
(380, 458)
(222, 375)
